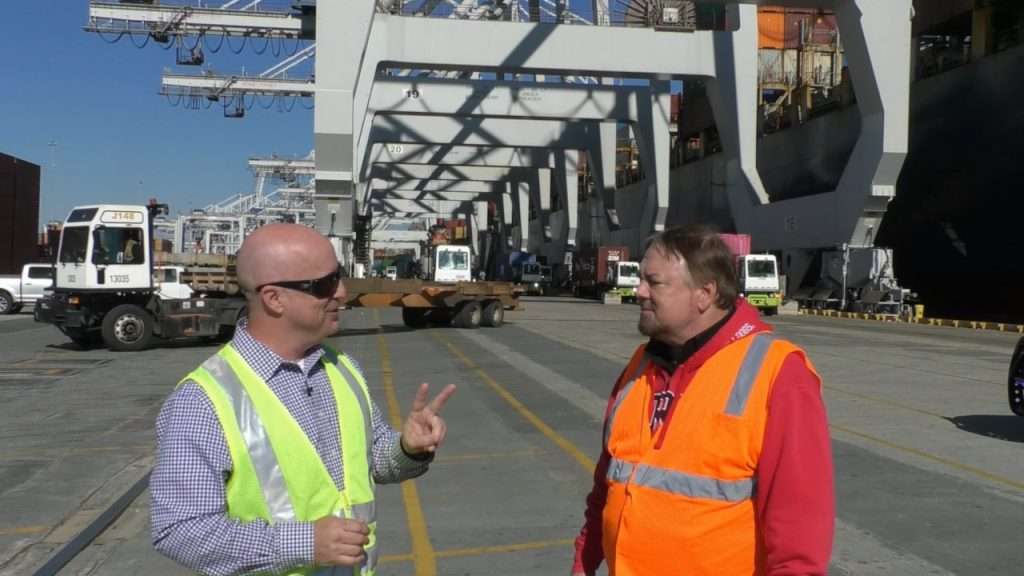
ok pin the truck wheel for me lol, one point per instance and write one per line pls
(1015, 383)
(493, 314)
(127, 328)
(414, 317)
(468, 315)
(6, 303)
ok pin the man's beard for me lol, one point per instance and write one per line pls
(648, 326)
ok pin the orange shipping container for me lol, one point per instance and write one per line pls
(771, 26)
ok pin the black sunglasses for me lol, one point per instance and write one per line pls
(319, 288)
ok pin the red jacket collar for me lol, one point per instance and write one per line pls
(744, 322)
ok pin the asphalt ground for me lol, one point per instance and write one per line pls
(929, 473)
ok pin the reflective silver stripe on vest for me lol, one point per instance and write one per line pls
(619, 470)
(694, 486)
(749, 370)
(680, 483)
(367, 511)
(268, 472)
(622, 396)
(372, 555)
(360, 395)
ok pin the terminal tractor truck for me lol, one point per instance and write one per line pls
(108, 288)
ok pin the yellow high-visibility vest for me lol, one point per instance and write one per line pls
(278, 475)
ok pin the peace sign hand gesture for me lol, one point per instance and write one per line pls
(424, 428)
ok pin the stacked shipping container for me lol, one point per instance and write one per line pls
(19, 213)
(798, 47)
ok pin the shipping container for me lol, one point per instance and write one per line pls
(771, 27)
(591, 265)
(19, 213)
(739, 244)
(794, 28)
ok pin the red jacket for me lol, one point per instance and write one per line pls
(795, 500)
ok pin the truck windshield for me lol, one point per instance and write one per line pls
(629, 271)
(165, 275)
(72, 244)
(761, 268)
(117, 246)
(453, 261)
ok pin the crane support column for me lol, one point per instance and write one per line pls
(336, 68)
(876, 38)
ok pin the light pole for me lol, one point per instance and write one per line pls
(846, 262)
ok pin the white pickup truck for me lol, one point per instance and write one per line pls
(16, 291)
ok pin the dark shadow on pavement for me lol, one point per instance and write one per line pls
(384, 329)
(68, 347)
(559, 299)
(157, 343)
(191, 343)
(1007, 427)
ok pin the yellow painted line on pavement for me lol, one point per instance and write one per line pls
(885, 402)
(561, 441)
(488, 456)
(906, 449)
(947, 322)
(23, 530)
(587, 463)
(395, 558)
(483, 550)
(480, 551)
(928, 456)
(423, 556)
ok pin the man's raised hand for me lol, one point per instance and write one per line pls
(424, 429)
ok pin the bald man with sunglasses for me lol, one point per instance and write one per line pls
(268, 453)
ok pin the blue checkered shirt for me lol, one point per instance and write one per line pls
(189, 510)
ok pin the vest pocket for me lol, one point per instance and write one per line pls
(730, 451)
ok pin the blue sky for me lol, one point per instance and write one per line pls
(89, 114)
(115, 138)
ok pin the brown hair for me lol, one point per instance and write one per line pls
(707, 258)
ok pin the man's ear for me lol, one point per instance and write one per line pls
(270, 296)
(706, 295)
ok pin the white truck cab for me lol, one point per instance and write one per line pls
(624, 276)
(759, 281)
(167, 281)
(452, 263)
(103, 247)
(107, 288)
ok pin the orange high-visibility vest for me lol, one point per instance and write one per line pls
(687, 508)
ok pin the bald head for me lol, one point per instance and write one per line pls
(279, 252)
